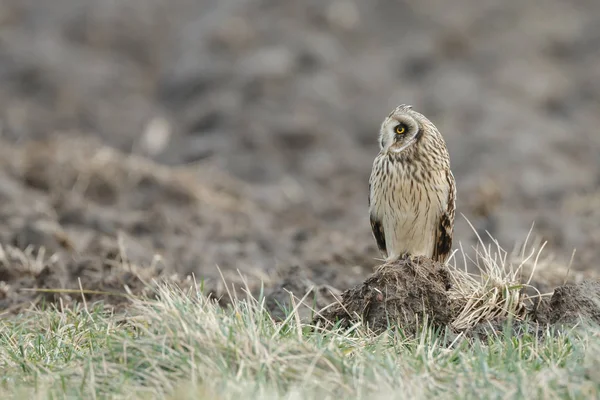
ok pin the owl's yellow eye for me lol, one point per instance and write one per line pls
(400, 129)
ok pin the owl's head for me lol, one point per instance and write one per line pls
(403, 129)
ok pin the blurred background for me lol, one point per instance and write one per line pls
(246, 129)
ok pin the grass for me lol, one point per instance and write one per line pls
(183, 346)
(497, 290)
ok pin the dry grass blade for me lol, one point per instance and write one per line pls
(498, 290)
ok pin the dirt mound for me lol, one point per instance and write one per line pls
(406, 292)
(402, 292)
(571, 304)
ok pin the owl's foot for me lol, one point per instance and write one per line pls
(395, 258)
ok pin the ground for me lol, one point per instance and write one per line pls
(228, 145)
(245, 131)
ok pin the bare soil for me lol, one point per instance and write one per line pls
(232, 141)
(79, 215)
(571, 304)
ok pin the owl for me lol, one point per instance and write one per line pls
(411, 189)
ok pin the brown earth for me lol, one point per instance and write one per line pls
(409, 292)
(403, 293)
(79, 215)
(571, 304)
(155, 139)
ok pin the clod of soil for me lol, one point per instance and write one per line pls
(572, 303)
(402, 292)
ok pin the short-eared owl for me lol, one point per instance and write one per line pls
(411, 189)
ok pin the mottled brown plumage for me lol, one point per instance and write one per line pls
(411, 189)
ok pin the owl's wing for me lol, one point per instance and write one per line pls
(443, 241)
(377, 228)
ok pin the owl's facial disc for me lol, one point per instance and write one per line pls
(399, 147)
(401, 132)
